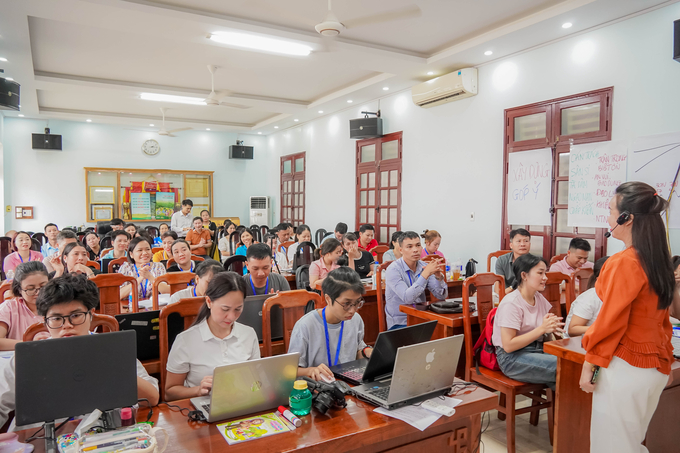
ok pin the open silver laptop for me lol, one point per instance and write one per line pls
(421, 371)
(246, 387)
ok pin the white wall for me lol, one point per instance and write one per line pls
(452, 154)
(54, 181)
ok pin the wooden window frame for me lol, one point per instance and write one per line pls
(293, 176)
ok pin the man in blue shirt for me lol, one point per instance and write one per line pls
(407, 278)
(50, 248)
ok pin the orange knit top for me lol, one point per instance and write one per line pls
(629, 326)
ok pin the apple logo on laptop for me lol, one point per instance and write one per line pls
(429, 358)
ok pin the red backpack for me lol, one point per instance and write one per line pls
(485, 351)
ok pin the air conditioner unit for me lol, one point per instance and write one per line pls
(450, 87)
(260, 211)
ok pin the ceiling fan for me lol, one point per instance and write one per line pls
(331, 26)
(215, 98)
(168, 133)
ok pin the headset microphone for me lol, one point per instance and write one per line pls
(623, 218)
(608, 234)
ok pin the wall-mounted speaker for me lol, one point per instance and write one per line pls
(676, 38)
(9, 95)
(47, 141)
(361, 128)
(240, 152)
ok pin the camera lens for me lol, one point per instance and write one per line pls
(323, 402)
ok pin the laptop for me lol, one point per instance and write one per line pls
(252, 316)
(421, 371)
(380, 364)
(247, 387)
(675, 341)
(145, 324)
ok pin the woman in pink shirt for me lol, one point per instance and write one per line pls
(432, 242)
(19, 313)
(23, 254)
(328, 255)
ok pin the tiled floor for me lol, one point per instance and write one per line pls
(528, 438)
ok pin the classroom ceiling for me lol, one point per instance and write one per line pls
(93, 59)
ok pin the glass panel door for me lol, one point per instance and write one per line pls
(293, 189)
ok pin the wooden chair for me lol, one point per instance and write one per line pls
(579, 278)
(292, 305)
(382, 317)
(6, 248)
(117, 263)
(556, 258)
(109, 323)
(284, 245)
(105, 242)
(302, 277)
(235, 263)
(155, 250)
(257, 234)
(177, 281)
(319, 235)
(40, 237)
(109, 293)
(553, 292)
(153, 231)
(6, 288)
(304, 254)
(186, 308)
(94, 264)
(105, 251)
(172, 261)
(35, 245)
(495, 255)
(380, 251)
(496, 380)
(234, 240)
(264, 229)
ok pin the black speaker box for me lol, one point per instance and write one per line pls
(240, 152)
(9, 95)
(676, 40)
(47, 141)
(365, 128)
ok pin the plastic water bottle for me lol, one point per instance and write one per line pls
(375, 272)
(300, 399)
(448, 272)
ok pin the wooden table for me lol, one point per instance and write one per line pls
(357, 428)
(573, 406)
(290, 277)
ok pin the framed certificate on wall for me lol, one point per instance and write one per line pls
(102, 212)
(102, 194)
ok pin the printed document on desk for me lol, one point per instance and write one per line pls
(418, 416)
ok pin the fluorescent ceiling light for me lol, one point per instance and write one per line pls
(207, 128)
(259, 133)
(386, 88)
(3, 59)
(566, 25)
(151, 125)
(430, 73)
(88, 120)
(172, 98)
(320, 111)
(488, 52)
(256, 42)
(349, 101)
(21, 116)
(296, 120)
(276, 127)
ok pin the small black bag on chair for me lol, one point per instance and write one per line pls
(471, 268)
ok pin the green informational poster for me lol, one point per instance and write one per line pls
(140, 205)
(165, 203)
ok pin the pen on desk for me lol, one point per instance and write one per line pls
(284, 420)
(115, 443)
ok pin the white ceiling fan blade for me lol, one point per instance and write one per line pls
(235, 106)
(407, 12)
(221, 94)
(179, 130)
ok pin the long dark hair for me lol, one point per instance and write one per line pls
(596, 271)
(24, 270)
(649, 236)
(220, 285)
(524, 264)
(68, 248)
(327, 246)
(134, 243)
(395, 238)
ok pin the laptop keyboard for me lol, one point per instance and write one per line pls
(675, 341)
(206, 407)
(380, 393)
(356, 374)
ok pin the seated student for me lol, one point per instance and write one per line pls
(223, 245)
(327, 260)
(407, 278)
(577, 257)
(116, 225)
(163, 228)
(121, 240)
(92, 246)
(359, 260)
(282, 232)
(303, 234)
(207, 223)
(279, 258)
(199, 239)
(167, 240)
(205, 271)
(23, 254)
(338, 233)
(432, 242)
(522, 321)
(585, 308)
(63, 238)
(49, 249)
(140, 266)
(20, 313)
(182, 256)
(131, 229)
(72, 260)
(335, 334)
(394, 253)
(366, 241)
(67, 306)
(246, 241)
(215, 339)
(520, 244)
(260, 279)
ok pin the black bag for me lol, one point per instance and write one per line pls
(471, 268)
(448, 307)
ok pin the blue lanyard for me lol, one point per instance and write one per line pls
(191, 268)
(408, 274)
(29, 256)
(146, 282)
(194, 291)
(328, 342)
(266, 288)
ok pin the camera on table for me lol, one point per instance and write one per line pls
(325, 396)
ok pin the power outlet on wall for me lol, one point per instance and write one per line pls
(472, 216)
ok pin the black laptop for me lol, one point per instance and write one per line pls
(381, 363)
(145, 323)
(252, 316)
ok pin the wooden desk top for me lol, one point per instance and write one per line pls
(354, 428)
(449, 320)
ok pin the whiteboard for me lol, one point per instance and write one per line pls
(655, 160)
(529, 187)
(595, 170)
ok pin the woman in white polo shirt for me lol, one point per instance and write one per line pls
(215, 339)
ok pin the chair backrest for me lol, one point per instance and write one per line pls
(382, 318)
(264, 229)
(557, 258)
(80, 235)
(105, 251)
(253, 226)
(109, 293)
(172, 261)
(94, 264)
(234, 239)
(6, 286)
(484, 285)
(579, 278)
(114, 265)
(302, 277)
(219, 232)
(304, 254)
(186, 308)
(241, 228)
(156, 249)
(319, 235)
(235, 263)
(495, 255)
(285, 245)
(292, 305)
(109, 323)
(153, 231)
(380, 251)
(40, 237)
(177, 281)
(35, 245)
(257, 235)
(105, 243)
(5, 250)
(552, 291)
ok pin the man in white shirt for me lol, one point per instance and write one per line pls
(181, 220)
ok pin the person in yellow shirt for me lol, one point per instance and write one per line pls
(167, 239)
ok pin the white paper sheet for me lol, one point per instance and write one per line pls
(417, 416)
(530, 187)
(163, 300)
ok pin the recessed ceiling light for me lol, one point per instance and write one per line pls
(276, 127)
(260, 43)
(207, 128)
(488, 52)
(296, 120)
(320, 111)
(21, 116)
(172, 98)
(430, 72)
(9, 78)
(349, 101)
(259, 133)
(89, 120)
(3, 59)
(386, 88)
(151, 125)
(567, 25)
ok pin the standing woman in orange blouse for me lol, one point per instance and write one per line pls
(629, 345)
